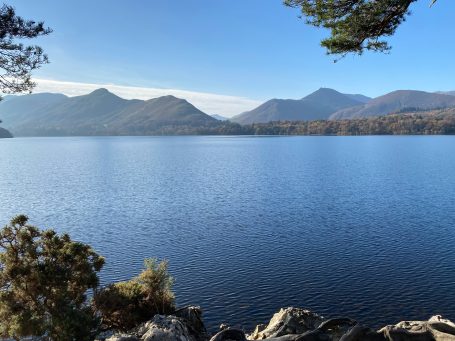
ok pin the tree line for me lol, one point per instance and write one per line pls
(441, 122)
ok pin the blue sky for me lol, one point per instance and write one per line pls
(233, 54)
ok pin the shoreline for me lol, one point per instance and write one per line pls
(288, 324)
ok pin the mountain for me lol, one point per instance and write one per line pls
(359, 97)
(219, 117)
(5, 133)
(451, 93)
(97, 113)
(17, 109)
(317, 106)
(396, 101)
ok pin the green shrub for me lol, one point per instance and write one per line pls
(44, 279)
(124, 305)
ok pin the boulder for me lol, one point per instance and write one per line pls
(293, 324)
(229, 334)
(330, 330)
(435, 329)
(123, 337)
(362, 333)
(289, 324)
(287, 321)
(192, 317)
(165, 328)
(185, 325)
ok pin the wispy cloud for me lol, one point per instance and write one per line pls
(209, 103)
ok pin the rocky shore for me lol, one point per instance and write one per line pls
(289, 324)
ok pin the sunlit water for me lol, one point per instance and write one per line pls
(346, 226)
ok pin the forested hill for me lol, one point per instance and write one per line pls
(440, 122)
(318, 105)
(436, 122)
(99, 113)
(397, 101)
(4, 133)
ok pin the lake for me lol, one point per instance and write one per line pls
(345, 226)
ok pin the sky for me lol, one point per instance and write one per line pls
(227, 56)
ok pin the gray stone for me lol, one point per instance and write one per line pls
(123, 337)
(192, 318)
(330, 330)
(435, 329)
(165, 328)
(229, 334)
(362, 333)
(185, 325)
(288, 321)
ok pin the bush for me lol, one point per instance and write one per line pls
(124, 305)
(44, 279)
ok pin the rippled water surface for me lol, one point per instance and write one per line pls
(356, 226)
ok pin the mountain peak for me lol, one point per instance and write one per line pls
(323, 92)
(171, 97)
(331, 97)
(101, 91)
(318, 105)
(168, 99)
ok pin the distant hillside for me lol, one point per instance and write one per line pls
(18, 109)
(432, 122)
(451, 93)
(98, 113)
(395, 102)
(317, 106)
(359, 97)
(219, 117)
(5, 133)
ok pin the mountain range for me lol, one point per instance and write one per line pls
(103, 113)
(397, 101)
(98, 113)
(329, 104)
(318, 105)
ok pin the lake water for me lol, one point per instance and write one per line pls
(346, 226)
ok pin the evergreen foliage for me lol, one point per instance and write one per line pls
(44, 279)
(355, 25)
(124, 305)
(17, 60)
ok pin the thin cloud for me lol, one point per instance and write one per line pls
(227, 106)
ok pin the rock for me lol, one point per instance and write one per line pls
(103, 336)
(165, 328)
(330, 330)
(185, 325)
(259, 329)
(229, 334)
(441, 325)
(123, 338)
(288, 321)
(192, 317)
(362, 333)
(435, 329)
(290, 324)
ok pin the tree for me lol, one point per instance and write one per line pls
(17, 61)
(355, 25)
(44, 279)
(124, 305)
